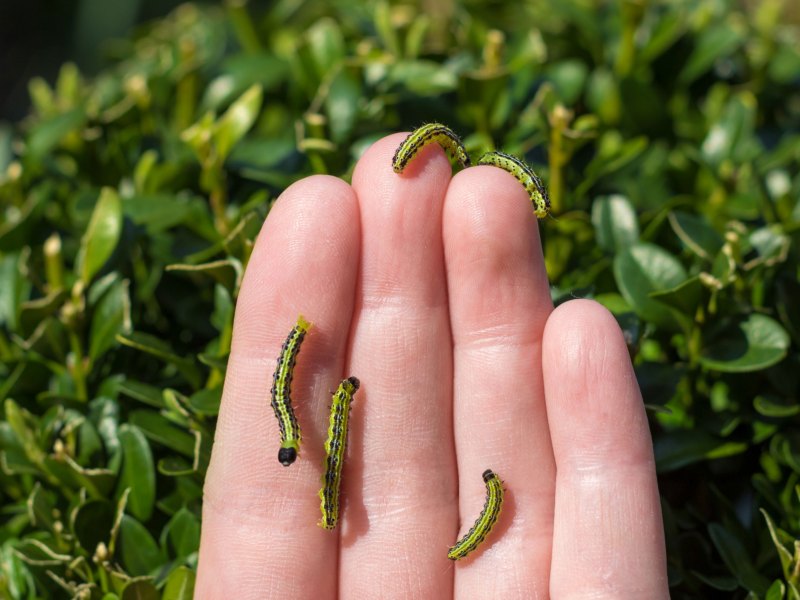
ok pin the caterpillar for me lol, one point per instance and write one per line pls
(281, 393)
(334, 451)
(424, 135)
(525, 175)
(486, 520)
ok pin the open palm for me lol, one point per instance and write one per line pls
(431, 289)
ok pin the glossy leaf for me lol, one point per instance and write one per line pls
(615, 223)
(112, 316)
(735, 556)
(696, 233)
(140, 589)
(237, 121)
(138, 472)
(136, 548)
(182, 534)
(746, 345)
(180, 585)
(642, 269)
(101, 236)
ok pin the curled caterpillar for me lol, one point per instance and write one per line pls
(421, 137)
(525, 175)
(335, 447)
(486, 520)
(281, 393)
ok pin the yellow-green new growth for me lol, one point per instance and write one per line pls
(486, 520)
(421, 137)
(525, 175)
(281, 393)
(335, 447)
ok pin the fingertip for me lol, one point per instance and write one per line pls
(487, 205)
(583, 334)
(594, 405)
(377, 161)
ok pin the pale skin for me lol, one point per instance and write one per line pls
(431, 289)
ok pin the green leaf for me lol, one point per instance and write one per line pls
(182, 534)
(749, 344)
(425, 78)
(228, 272)
(776, 591)
(642, 269)
(136, 548)
(780, 539)
(615, 223)
(712, 43)
(47, 134)
(14, 287)
(776, 406)
(159, 430)
(101, 236)
(684, 298)
(180, 585)
(568, 78)
(24, 426)
(732, 137)
(140, 589)
(92, 524)
(138, 472)
(239, 72)
(142, 392)
(16, 231)
(326, 45)
(237, 121)
(173, 466)
(696, 233)
(157, 347)
(161, 212)
(111, 316)
(206, 401)
(342, 105)
(771, 244)
(737, 559)
(682, 448)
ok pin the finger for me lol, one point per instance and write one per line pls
(608, 539)
(260, 536)
(499, 303)
(400, 477)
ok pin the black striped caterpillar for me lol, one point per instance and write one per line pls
(525, 175)
(281, 393)
(424, 135)
(335, 447)
(486, 520)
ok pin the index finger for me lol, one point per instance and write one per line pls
(260, 518)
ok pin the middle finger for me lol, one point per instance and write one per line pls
(499, 303)
(400, 479)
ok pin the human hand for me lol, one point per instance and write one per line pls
(432, 291)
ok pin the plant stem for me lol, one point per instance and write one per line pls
(77, 367)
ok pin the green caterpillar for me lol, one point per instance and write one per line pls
(486, 520)
(281, 393)
(421, 137)
(335, 447)
(525, 175)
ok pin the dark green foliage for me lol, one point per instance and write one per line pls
(668, 134)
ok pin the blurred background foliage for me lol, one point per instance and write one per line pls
(132, 189)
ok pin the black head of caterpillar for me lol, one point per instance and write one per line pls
(424, 135)
(287, 456)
